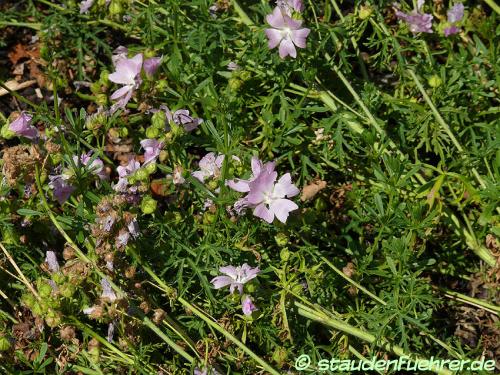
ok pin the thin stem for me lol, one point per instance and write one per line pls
(242, 14)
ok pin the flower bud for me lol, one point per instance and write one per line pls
(67, 290)
(435, 81)
(142, 174)
(161, 85)
(44, 290)
(281, 239)
(6, 133)
(4, 343)
(163, 156)
(148, 205)
(104, 77)
(115, 8)
(235, 84)
(285, 254)
(365, 11)
(158, 120)
(101, 99)
(95, 88)
(150, 168)
(208, 218)
(123, 132)
(152, 132)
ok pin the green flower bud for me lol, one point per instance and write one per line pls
(52, 319)
(114, 133)
(161, 85)
(235, 84)
(298, 289)
(6, 133)
(435, 81)
(245, 75)
(212, 185)
(95, 88)
(150, 168)
(208, 218)
(148, 205)
(280, 356)
(115, 8)
(281, 239)
(101, 99)
(158, 120)
(104, 77)
(142, 174)
(365, 11)
(152, 132)
(44, 290)
(67, 290)
(58, 278)
(4, 343)
(176, 130)
(29, 300)
(37, 309)
(163, 156)
(320, 204)
(284, 254)
(123, 132)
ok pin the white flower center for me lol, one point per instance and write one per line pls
(286, 33)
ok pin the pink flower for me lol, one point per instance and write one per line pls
(95, 166)
(151, 65)
(85, 6)
(127, 74)
(268, 197)
(455, 15)
(210, 166)
(62, 190)
(418, 22)
(286, 33)
(243, 186)
(152, 150)
(181, 117)
(236, 277)
(22, 126)
(247, 306)
(124, 172)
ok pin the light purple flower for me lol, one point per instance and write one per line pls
(290, 5)
(151, 65)
(451, 30)
(236, 277)
(109, 265)
(85, 6)
(124, 172)
(95, 166)
(127, 74)
(247, 306)
(107, 291)
(243, 186)
(89, 310)
(107, 222)
(152, 150)
(456, 13)
(119, 53)
(210, 166)
(417, 21)
(181, 117)
(62, 190)
(22, 126)
(286, 33)
(51, 259)
(268, 197)
(232, 66)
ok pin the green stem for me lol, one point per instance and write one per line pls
(493, 5)
(339, 325)
(242, 14)
(472, 301)
(198, 312)
(34, 26)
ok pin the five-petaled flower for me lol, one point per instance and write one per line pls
(123, 173)
(235, 277)
(269, 198)
(210, 166)
(286, 32)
